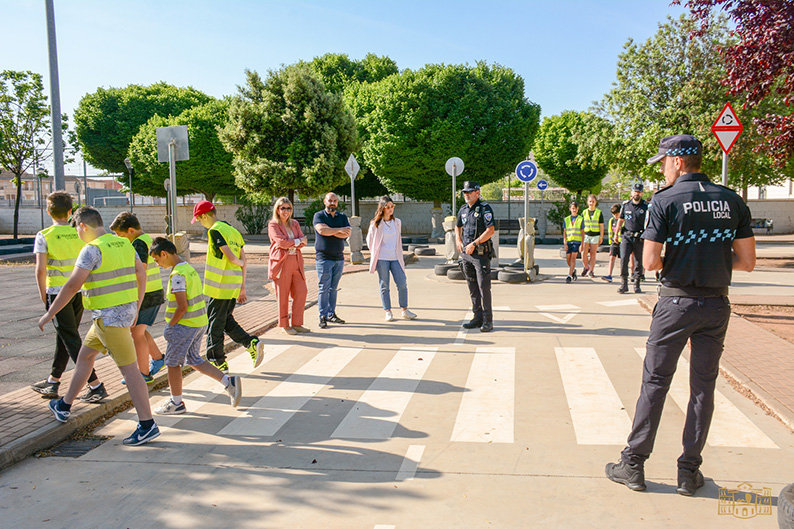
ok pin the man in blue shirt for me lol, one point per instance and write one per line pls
(332, 229)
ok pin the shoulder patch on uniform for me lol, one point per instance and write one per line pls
(488, 216)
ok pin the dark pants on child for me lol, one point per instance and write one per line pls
(221, 320)
(67, 332)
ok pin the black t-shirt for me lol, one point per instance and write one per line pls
(329, 247)
(697, 221)
(474, 220)
(633, 215)
(157, 297)
(216, 241)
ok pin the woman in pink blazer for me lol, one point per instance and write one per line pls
(285, 266)
(384, 240)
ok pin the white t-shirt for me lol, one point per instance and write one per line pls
(391, 240)
(40, 246)
(90, 258)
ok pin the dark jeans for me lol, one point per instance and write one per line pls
(704, 322)
(628, 246)
(477, 270)
(67, 333)
(221, 320)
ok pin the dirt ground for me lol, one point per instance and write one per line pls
(775, 319)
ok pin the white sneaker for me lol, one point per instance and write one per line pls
(235, 390)
(389, 316)
(169, 407)
(408, 315)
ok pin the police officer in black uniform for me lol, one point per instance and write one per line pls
(631, 224)
(706, 234)
(473, 231)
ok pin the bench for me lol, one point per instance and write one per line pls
(762, 224)
(507, 225)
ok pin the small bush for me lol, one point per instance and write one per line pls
(253, 217)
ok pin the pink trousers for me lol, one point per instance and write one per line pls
(290, 283)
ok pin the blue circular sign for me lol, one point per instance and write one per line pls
(526, 171)
(542, 184)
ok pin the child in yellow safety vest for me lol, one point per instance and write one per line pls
(186, 318)
(224, 286)
(56, 249)
(113, 279)
(574, 234)
(614, 240)
(126, 225)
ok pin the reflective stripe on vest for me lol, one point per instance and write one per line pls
(114, 283)
(591, 224)
(573, 231)
(222, 279)
(153, 280)
(63, 247)
(196, 315)
(612, 238)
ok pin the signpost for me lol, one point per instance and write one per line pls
(726, 129)
(352, 168)
(454, 167)
(172, 147)
(526, 171)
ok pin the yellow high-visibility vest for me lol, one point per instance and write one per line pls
(196, 314)
(114, 283)
(63, 247)
(573, 230)
(153, 280)
(222, 279)
(591, 223)
(612, 238)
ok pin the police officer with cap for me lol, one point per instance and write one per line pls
(706, 234)
(631, 224)
(473, 231)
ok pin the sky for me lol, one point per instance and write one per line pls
(565, 50)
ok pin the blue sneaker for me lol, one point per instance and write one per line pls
(146, 378)
(60, 415)
(155, 366)
(608, 279)
(141, 436)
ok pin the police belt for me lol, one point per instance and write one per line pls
(692, 292)
(633, 233)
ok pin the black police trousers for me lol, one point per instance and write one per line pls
(628, 246)
(704, 322)
(477, 270)
(221, 320)
(67, 335)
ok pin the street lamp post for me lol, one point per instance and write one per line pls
(131, 171)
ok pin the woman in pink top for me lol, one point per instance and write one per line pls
(384, 240)
(285, 266)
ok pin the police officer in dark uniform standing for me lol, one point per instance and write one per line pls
(706, 234)
(631, 224)
(473, 231)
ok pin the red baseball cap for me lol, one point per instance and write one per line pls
(205, 206)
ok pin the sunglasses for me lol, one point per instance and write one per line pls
(285, 208)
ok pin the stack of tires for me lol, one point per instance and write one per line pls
(511, 273)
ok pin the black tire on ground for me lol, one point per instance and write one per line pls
(442, 268)
(517, 265)
(537, 269)
(405, 247)
(495, 274)
(785, 507)
(512, 277)
(425, 251)
(419, 240)
(413, 247)
(455, 274)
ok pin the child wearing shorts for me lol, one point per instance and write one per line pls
(186, 316)
(574, 234)
(614, 240)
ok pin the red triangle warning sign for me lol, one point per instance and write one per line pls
(727, 128)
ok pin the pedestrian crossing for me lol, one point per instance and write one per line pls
(485, 406)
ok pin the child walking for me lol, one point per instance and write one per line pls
(614, 240)
(186, 315)
(574, 234)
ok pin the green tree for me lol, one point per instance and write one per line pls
(107, 120)
(288, 134)
(558, 153)
(209, 169)
(415, 121)
(25, 132)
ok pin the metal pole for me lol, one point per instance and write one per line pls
(526, 204)
(353, 195)
(55, 97)
(454, 187)
(85, 183)
(132, 197)
(508, 196)
(724, 168)
(172, 171)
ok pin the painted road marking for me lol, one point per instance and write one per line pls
(571, 310)
(487, 408)
(598, 415)
(729, 426)
(501, 309)
(273, 410)
(461, 337)
(411, 462)
(619, 303)
(380, 408)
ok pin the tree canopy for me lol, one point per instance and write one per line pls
(558, 153)
(209, 169)
(107, 119)
(417, 120)
(288, 134)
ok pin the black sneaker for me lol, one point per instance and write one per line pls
(95, 395)
(633, 476)
(323, 322)
(568, 279)
(689, 481)
(486, 327)
(335, 319)
(574, 275)
(472, 324)
(48, 390)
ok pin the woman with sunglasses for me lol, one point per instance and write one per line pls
(285, 266)
(384, 240)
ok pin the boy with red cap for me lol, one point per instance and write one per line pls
(224, 285)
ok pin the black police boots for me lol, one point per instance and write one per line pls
(624, 285)
(637, 289)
